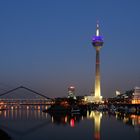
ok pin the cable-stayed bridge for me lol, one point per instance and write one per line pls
(23, 97)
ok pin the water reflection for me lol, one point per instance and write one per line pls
(12, 122)
(96, 116)
(97, 123)
(70, 120)
(35, 120)
(25, 113)
(129, 119)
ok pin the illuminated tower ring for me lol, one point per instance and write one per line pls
(97, 42)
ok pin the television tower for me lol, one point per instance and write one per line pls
(97, 42)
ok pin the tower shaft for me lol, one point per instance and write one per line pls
(97, 74)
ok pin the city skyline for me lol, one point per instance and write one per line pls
(47, 45)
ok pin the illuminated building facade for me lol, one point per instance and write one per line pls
(136, 96)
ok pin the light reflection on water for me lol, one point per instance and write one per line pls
(33, 123)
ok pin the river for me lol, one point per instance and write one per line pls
(33, 124)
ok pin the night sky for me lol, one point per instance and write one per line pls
(46, 45)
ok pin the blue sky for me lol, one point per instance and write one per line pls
(46, 45)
